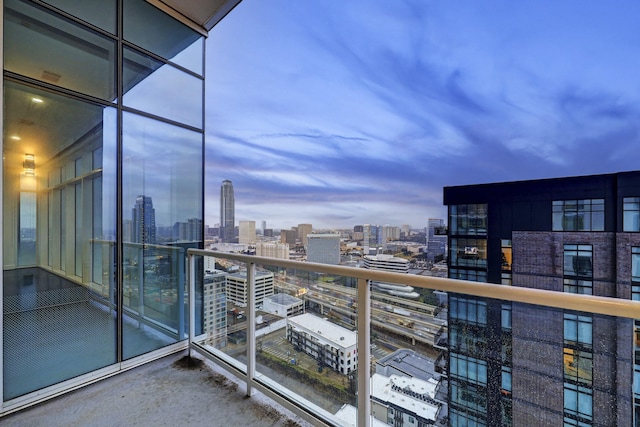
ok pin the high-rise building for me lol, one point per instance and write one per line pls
(238, 291)
(509, 362)
(288, 237)
(370, 235)
(227, 212)
(303, 231)
(436, 239)
(323, 248)
(389, 233)
(215, 307)
(143, 218)
(247, 232)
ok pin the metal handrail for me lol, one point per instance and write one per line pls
(587, 303)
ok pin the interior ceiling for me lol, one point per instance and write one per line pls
(205, 13)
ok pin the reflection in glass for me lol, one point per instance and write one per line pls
(53, 50)
(162, 217)
(151, 29)
(57, 287)
(191, 57)
(102, 14)
(161, 89)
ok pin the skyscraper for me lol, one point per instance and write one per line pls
(227, 212)
(436, 238)
(143, 217)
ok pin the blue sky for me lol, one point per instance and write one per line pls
(344, 113)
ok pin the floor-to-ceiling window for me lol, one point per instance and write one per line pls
(103, 121)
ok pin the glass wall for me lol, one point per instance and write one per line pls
(94, 174)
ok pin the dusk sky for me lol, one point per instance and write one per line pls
(361, 111)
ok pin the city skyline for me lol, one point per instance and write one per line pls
(338, 114)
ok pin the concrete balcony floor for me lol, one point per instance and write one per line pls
(171, 391)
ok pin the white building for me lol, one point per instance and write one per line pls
(386, 263)
(272, 250)
(283, 305)
(404, 401)
(331, 345)
(323, 248)
(237, 291)
(389, 233)
(214, 310)
(247, 232)
(394, 264)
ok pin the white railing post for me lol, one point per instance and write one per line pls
(180, 262)
(192, 299)
(140, 285)
(251, 326)
(364, 353)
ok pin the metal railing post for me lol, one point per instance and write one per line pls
(364, 353)
(251, 326)
(192, 299)
(140, 285)
(180, 261)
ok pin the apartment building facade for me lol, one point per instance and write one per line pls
(509, 362)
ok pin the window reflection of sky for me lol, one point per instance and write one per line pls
(163, 162)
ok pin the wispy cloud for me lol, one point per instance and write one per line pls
(360, 112)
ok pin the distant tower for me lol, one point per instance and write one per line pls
(323, 248)
(247, 232)
(227, 212)
(143, 221)
(303, 231)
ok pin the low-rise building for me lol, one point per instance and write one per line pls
(330, 344)
(283, 305)
(404, 401)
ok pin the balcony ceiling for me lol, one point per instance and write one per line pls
(205, 13)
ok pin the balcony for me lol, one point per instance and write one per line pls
(387, 361)
(527, 339)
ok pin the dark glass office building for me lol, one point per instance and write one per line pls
(509, 362)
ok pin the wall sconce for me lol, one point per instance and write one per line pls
(29, 164)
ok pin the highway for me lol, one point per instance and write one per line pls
(409, 319)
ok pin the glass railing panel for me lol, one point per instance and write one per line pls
(407, 365)
(224, 310)
(153, 297)
(306, 339)
(438, 358)
(521, 364)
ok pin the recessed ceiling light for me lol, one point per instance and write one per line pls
(15, 137)
(37, 100)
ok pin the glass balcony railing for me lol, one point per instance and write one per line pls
(328, 343)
